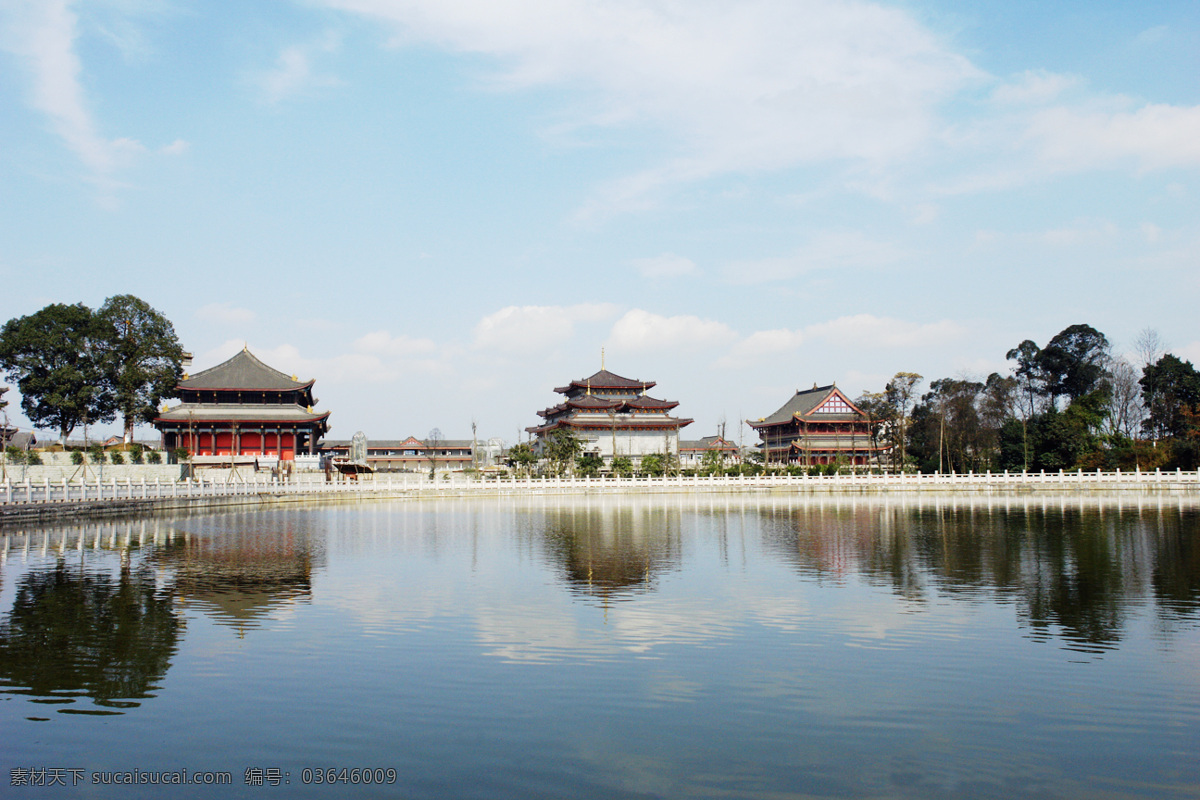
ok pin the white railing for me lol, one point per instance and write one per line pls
(64, 491)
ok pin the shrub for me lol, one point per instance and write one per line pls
(180, 454)
(96, 451)
(76, 457)
(33, 458)
(154, 457)
(14, 454)
(116, 457)
(136, 454)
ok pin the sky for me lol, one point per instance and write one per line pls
(441, 210)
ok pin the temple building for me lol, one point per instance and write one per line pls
(692, 453)
(613, 416)
(817, 426)
(413, 454)
(242, 407)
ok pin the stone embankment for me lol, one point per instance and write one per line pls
(32, 501)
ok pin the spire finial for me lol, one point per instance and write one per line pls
(601, 358)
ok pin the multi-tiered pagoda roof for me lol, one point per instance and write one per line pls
(606, 399)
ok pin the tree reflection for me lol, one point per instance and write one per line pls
(1069, 569)
(75, 633)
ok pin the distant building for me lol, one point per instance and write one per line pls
(409, 455)
(242, 407)
(614, 416)
(817, 426)
(692, 452)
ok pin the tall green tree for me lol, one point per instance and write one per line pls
(1171, 392)
(1075, 363)
(144, 359)
(56, 358)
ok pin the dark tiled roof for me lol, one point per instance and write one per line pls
(801, 403)
(644, 401)
(244, 372)
(605, 380)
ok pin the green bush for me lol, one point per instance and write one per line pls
(136, 454)
(180, 454)
(15, 455)
(154, 457)
(33, 458)
(96, 451)
(116, 457)
(76, 457)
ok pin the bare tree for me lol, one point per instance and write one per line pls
(1149, 347)
(1125, 408)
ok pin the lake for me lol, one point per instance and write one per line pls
(686, 646)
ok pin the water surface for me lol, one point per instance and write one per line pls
(615, 647)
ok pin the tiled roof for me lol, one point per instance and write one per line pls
(239, 412)
(605, 380)
(244, 372)
(803, 403)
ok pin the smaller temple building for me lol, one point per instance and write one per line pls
(242, 407)
(694, 452)
(613, 416)
(817, 426)
(411, 454)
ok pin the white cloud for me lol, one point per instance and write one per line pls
(1153, 137)
(534, 328)
(642, 330)
(225, 314)
(748, 85)
(869, 330)
(859, 330)
(384, 344)
(1034, 87)
(668, 265)
(42, 34)
(175, 148)
(293, 72)
(831, 250)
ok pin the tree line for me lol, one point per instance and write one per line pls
(1070, 404)
(77, 366)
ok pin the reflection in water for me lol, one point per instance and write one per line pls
(76, 632)
(612, 553)
(240, 570)
(1070, 567)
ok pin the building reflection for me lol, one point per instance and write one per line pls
(611, 551)
(241, 570)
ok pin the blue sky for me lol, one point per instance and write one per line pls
(442, 210)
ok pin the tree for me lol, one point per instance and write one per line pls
(880, 417)
(1075, 363)
(1125, 408)
(901, 394)
(144, 359)
(623, 466)
(433, 443)
(1170, 388)
(652, 464)
(589, 464)
(562, 447)
(55, 358)
(521, 458)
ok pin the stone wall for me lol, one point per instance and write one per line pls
(56, 473)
